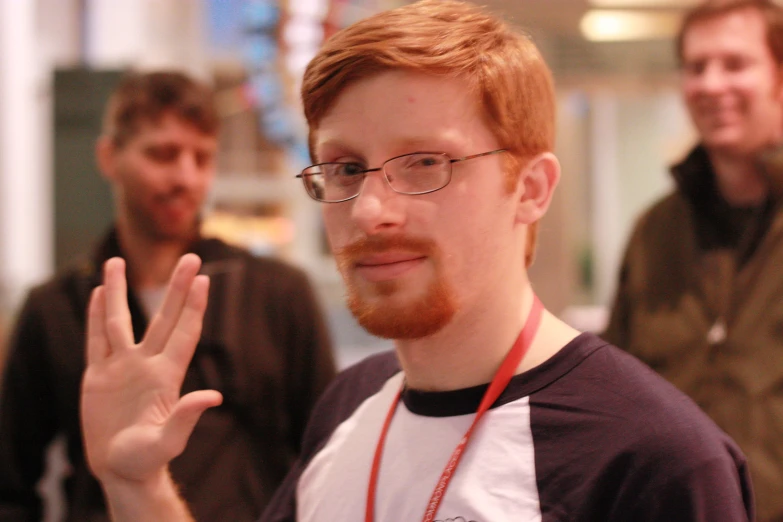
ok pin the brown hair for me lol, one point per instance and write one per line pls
(147, 97)
(770, 12)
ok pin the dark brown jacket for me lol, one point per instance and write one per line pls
(700, 299)
(264, 346)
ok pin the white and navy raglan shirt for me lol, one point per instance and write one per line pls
(590, 435)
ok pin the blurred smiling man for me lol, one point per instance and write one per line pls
(431, 131)
(731, 82)
(700, 297)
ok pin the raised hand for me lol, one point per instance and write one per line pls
(133, 418)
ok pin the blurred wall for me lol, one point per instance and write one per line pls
(25, 204)
(83, 206)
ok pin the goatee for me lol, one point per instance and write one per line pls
(378, 313)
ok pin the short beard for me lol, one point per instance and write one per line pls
(416, 319)
(142, 221)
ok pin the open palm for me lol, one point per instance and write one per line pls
(133, 417)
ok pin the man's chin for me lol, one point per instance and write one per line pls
(726, 140)
(401, 325)
(175, 232)
(732, 148)
(394, 317)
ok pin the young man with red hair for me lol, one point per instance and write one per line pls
(431, 130)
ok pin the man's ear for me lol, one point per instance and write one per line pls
(537, 184)
(105, 151)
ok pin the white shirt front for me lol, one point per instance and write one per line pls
(494, 481)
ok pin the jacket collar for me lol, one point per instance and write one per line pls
(695, 179)
(109, 246)
(718, 223)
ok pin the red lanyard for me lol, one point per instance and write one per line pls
(496, 387)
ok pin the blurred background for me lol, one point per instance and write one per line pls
(621, 123)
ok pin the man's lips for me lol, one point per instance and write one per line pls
(381, 267)
(177, 205)
(718, 110)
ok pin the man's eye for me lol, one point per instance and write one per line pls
(735, 63)
(162, 154)
(350, 169)
(427, 161)
(693, 69)
(422, 162)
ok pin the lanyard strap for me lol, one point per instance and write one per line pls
(499, 382)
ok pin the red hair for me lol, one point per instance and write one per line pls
(448, 38)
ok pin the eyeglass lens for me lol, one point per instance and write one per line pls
(415, 173)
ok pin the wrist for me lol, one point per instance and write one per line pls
(155, 499)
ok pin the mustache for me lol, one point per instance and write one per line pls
(348, 254)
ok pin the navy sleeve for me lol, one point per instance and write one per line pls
(615, 442)
(715, 491)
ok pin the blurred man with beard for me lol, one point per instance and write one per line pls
(700, 297)
(264, 343)
(431, 133)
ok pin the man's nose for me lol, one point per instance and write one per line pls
(378, 207)
(188, 170)
(713, 78)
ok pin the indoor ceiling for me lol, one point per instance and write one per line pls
(562, 17)
(555, 25)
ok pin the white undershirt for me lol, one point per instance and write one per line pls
(151, 298)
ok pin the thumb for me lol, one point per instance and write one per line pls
(183, 419)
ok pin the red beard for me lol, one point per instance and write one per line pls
(414, 319)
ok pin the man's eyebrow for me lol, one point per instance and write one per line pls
(427, 144)
(332, 146)
(407, 144)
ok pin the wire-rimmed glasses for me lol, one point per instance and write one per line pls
(412, 174)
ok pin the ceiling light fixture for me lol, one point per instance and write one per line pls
(611, 25)
(646, 4)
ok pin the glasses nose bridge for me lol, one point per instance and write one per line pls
(383, 173)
